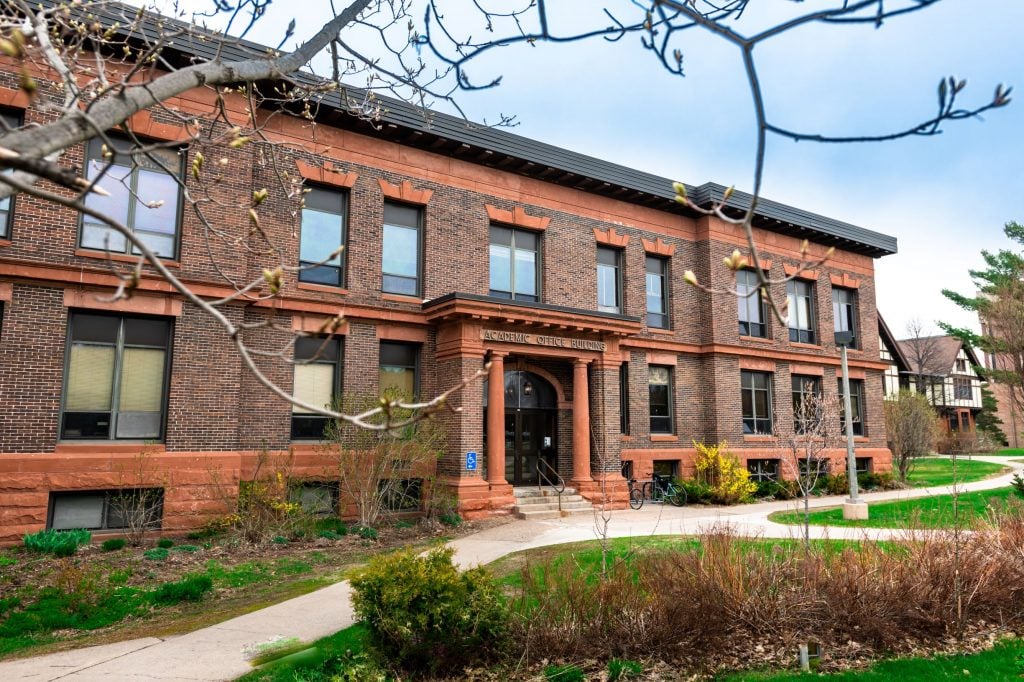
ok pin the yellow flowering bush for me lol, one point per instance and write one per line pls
(722, 471)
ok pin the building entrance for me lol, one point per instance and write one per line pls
(530, 428)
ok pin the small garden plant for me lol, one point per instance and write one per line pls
(113, 544)
(57, 542)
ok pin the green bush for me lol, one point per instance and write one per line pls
(190, 588)
(777, 490)
(185, 548)
(1018, 484)
(619, 669)
(57, 542)
(564, 673)
(873, 481)
(156, 554)
(450, 519)
(113, 544)
(697, 492)
(331, 523)
(165, 543)
(280, 540)
(328, 535)
(423, 613)
(366, 533)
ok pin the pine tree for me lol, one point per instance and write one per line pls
(988, 421)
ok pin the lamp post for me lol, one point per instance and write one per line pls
(854, 508)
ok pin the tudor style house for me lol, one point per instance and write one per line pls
(943, 368)
(463, 246)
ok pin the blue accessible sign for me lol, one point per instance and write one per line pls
(470, 461)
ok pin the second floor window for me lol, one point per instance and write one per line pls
(399, 370)
(657, 292)
(401, 249)
(751, 305)
(856, 407)
(844, 310)
(11, 121)
(756, 392)
(800, 299)
(609, 280)
(115, 378)
(660, 392)
(144, 195)
(514, 264)
(961, 388)
(806, 403)
(317, 383)
(323, 232)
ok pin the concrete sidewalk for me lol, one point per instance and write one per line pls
(220, 652)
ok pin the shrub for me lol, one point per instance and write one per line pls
(450, 519)
(619, 669)
(190, 588)
(57, 542)
(722, 471)
(328, 535)
(777, 490)
(423, 613)
(697, 492)
(331, 523)
(366, 533)
(166, 543)
(280, 540)
(156, 554)
(113, 544)
(564, 673)
(834, 484)
(1018, 484)
(873, 481)
(185, 548)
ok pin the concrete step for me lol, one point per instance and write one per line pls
(550, 514)
(579, 504)
(523, 501)
(533, 491)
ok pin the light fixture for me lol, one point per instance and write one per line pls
(527, 388)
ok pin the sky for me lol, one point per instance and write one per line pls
(944, 197)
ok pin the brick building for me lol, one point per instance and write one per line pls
(463, 245)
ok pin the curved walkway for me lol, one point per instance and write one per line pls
(220, 652)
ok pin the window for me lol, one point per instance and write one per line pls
(668, 468)
(856, 407)
(624, 398)
(961, 365)
(514, 270)
(657, 292)
(609, 280)
(399, 377)
(800, 295)
(402, 267)
(863, 465)
(751, 305)
(763, 469)
(319, 498)
(136, 183)
(10, 121)
(844, 310)
(660, 390)
(106, 509)
(323, 232)
(816, 468)
(805, 410)
(317, 382)
(756, 389)
(401, 495)
(115, 377)
(961, 388)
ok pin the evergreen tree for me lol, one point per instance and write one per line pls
(988, 421)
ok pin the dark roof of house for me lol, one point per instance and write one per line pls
(453, 136)
(893, 345)
(934, 355)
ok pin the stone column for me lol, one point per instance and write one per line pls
(580, 424)
(496, 420)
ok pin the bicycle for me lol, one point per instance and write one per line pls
(664, 489)
(636, 495)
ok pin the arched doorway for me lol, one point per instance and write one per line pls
(531, 419)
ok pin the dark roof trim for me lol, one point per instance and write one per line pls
(771, 215)
(894, 347)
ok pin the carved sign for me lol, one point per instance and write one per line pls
(540, 340)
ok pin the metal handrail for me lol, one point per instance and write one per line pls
(541, 476)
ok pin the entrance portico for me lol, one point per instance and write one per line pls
(536, 356)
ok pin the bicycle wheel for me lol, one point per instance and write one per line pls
(636, 498)
(676, 496)
(647, 491)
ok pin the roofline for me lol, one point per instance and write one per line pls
(770, 215)
(892, 342)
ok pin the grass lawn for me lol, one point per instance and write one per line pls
(924, 512)
(1007, 452)
(1005, 661)
(321, 660)
(937, 471)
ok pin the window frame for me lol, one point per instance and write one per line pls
(616, 255)
(337, 376)
(748, 303)
(853, 304)
(115, 391)
(755, 418)
(858, 469)
(107, 494)
(803, 379)
(332, 487)
(420, 248)
(856, 404)
(666, 321)
(807, 334)
(415, 367)
(963, 388)
(406, 484)
(342, 267)
(760, 473)
(182, 153)
(538, 261)
(14, 118)
(670, 402)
